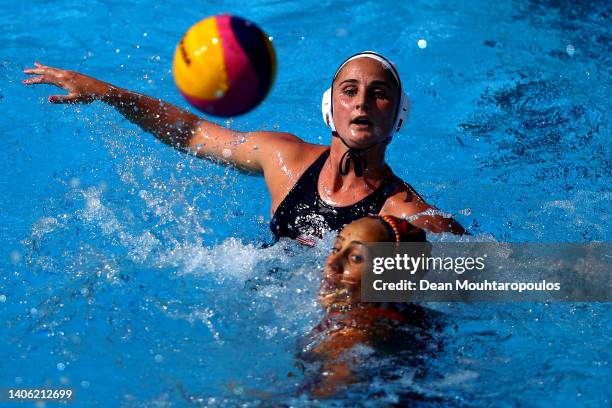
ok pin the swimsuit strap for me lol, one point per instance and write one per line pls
(302, 198)
(310, 177)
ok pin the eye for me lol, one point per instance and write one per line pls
(349, 91)
(356, 258)
(380, 94)
(335, 250)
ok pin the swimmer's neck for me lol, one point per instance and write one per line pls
(373, 175)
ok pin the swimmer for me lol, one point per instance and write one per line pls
(313, 188)
(348, 322)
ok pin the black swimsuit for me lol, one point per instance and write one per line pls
(303, 213)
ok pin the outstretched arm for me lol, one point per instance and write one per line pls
(174, 126)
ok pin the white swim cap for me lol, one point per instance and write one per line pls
(401, 112)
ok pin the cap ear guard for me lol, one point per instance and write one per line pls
(402, 112)
(326, 109)
(401, 116)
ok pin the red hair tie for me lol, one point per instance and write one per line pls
(395, 225)
(402, 228)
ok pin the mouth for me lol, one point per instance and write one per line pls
(328, 285)
(349, 282)
(361, 121)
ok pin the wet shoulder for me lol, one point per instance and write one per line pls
(403, 200)
(287, 167)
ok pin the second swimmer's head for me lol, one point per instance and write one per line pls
(341, 284)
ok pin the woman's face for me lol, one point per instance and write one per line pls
(365, 98)
(347, 260)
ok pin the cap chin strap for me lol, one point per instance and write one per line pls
(356, 156)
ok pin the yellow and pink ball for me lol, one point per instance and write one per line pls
(224, 65)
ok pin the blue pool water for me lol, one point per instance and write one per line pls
(134, 274)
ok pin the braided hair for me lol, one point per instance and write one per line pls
(401, 230)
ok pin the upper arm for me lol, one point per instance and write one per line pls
(249, 151)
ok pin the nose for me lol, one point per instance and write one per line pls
(334, 263)
(362, 103)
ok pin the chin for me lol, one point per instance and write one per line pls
(364, 138)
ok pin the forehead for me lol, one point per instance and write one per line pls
(365, 69)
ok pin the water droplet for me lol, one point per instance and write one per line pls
(2, 298)
(15, 256)
(422, 43)
(85, 384)
(33, 311)
(570, 49)
(466, 211)
(227, 153)
(159, 358)
(270, 38)
(117, 50)
(215, 40)
(61, 366)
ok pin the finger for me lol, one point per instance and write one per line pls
(38, 70)
(34, 71)
(70, 98)
(39, 65)
(42, 69)
(43, 79)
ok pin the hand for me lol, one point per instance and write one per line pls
(81, 88)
